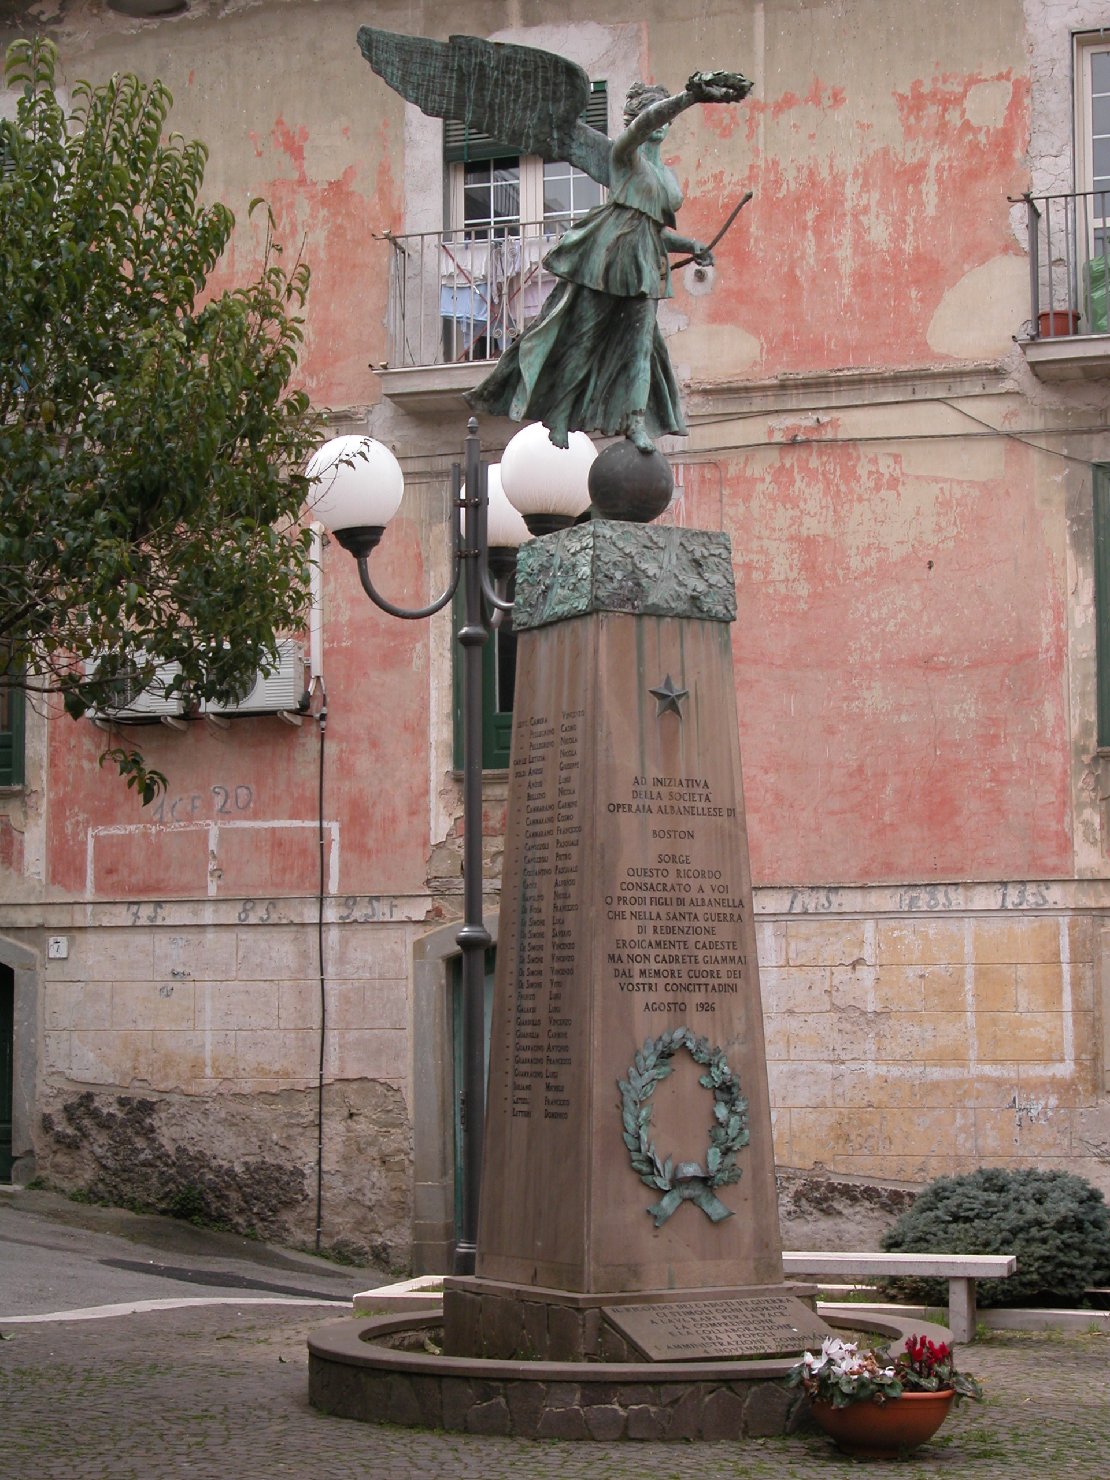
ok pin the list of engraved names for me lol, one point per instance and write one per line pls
(546, 761)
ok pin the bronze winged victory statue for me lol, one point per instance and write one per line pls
(594, 360)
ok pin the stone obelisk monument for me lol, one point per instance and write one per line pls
(628, 1204)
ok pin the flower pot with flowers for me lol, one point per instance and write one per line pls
(877, 1406)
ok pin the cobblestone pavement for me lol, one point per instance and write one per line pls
(219, 1393)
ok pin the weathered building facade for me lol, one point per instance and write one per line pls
(241, 999)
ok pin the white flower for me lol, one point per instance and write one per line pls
(833, 1346)
(842, 1357)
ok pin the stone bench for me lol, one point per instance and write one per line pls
(960, 1270)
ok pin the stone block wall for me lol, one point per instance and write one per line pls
(180, 1069)
(910, 1046)
(911, 1033)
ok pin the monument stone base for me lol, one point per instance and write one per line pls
(386, 1371)
(495, 1319)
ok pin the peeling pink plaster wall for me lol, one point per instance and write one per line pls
(329, 183)
(327, 222)
(261, 773)
(918, 713)
(853, 239)
(900, 663)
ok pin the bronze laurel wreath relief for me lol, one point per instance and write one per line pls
(686, 1182)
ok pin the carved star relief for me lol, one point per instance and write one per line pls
(669, 697)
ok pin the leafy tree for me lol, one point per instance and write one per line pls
(150, 444)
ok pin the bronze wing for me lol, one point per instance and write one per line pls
(528, 99)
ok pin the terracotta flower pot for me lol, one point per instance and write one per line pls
(885, 1430)
(1058, 322)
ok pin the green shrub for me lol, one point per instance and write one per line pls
(1057, 1224)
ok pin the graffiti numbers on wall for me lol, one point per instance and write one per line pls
(365, 909)
(151, 913)
(931, 897)
(198, 806)
(811, 902)
(1023, 897)
(253, 912)
(927, 899)
(1007, 896)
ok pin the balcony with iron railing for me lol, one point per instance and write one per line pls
(1067, 336)
(456, 299)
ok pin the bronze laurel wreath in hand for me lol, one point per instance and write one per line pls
(719, 87)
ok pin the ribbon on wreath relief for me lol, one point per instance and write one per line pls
(690, 1185)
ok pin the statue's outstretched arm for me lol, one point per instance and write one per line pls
(703, 87)
(674, 241)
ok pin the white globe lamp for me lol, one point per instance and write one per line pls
(547, 485)
(357, 488)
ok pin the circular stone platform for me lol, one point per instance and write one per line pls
(355, 1373)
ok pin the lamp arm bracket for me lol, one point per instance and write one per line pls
(399, 611)
(498, 603)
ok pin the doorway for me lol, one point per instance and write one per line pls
(437, 1078)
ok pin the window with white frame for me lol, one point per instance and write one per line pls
(490, 206)
(1092, 180)
(1092, 156)
(513, 194)
(503, 212)
(568, 194)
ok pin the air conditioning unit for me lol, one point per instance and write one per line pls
(281, 691)
(137, 696)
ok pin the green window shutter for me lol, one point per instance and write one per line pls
(459, 144)
(1102, 597)
(498, 682)
(11, 736)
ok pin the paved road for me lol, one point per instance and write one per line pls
(218, 1392)
(58, 1256)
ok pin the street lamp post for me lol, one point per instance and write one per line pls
(358, 489)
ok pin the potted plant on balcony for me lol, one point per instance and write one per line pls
(875, 1406)
(1057, 323)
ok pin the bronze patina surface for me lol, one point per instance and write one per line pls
(594, 360)
(611, 565)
